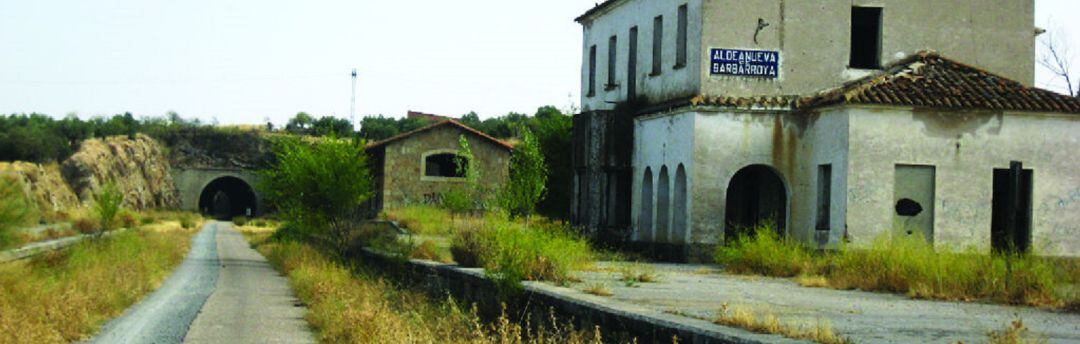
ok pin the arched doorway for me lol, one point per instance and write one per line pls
(645, 217)
(663, 206)
(756, 196)
(678, 212)
(227, 197)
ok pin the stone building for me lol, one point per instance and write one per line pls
(418, 166)
(830, 119)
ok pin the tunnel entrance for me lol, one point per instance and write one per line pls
(227, 197)
(755, 196)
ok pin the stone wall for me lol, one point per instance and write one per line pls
(403, 175)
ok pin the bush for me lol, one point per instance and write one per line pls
(764, 252)
(319, 186)
(240, 220)
(85, 225)
(128, 219)
(147, 219)
(510, 252)
(15, 208)
(106, 206)
(188, 221)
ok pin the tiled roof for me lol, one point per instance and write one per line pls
(599, 7)
(929, 80)
(450, 122)
(746, 102)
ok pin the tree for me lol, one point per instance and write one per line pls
(319, 186)
(300, 124)
(528, 177)
(463, 198)
(1057, 59)
(107, 203)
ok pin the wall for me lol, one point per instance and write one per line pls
(190, 183)
(965, 147)
(671, 82)
(814, 38)
(404, 182)
(662, 141)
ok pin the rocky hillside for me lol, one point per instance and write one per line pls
(139, 169)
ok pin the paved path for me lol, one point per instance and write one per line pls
(865, 317)
(223, 292)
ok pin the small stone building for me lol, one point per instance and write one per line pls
(418, 166)
(829, 119)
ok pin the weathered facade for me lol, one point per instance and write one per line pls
(824, 151)
(418, 166)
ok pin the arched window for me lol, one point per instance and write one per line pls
(645, 218)
(444, 165)
(678, 212)
(663, 206)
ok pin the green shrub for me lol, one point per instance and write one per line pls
(85, 225)
(128, 219)
(106, 206)
(187, 221)
(147, 219)
(240, 220)
(510, 252)
(763, 251)
(15, 208)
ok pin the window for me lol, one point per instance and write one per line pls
(657, 44)
(865, 37)
(592, 71)
(824, 196)
(680, 52)
(613, 50)
(631, 66)
(443, 165)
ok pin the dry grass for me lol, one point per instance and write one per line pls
(743, 317)
(420, 219)
(65, 296)
(905, 264)
(598, 289)
(633, 273)
(1014, 333)
(347, 305)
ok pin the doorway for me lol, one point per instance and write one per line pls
(756, 196)
(1010, 224)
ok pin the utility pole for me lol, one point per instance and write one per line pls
(352, 107)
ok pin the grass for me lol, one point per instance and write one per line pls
(1014, 333)
(420, 219)
(349, 305)
(768, 323)
(510, 251)
(65, 296)
(598, 289)
(903, 264)
(634, 273)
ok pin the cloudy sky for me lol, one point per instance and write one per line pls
(242, 61)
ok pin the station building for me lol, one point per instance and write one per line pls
(834, 121)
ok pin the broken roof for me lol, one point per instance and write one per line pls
(926, 80)
(446, 122)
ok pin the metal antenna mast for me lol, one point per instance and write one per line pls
(352, 107)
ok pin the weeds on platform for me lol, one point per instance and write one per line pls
(1014, 333)
(768, 323)
(900, 263)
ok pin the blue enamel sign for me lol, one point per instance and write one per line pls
(752, 63)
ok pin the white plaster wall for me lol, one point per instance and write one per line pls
(814, 38)
(965, 147)
(663, 140)
(671, 82)
(793, 145)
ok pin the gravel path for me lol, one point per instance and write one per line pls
(865, 317)
(223, 292)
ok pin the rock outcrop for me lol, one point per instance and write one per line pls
(43, 184)
(139, 169)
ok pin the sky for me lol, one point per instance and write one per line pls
(246, 61)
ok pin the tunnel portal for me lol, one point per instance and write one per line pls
(227, 197)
